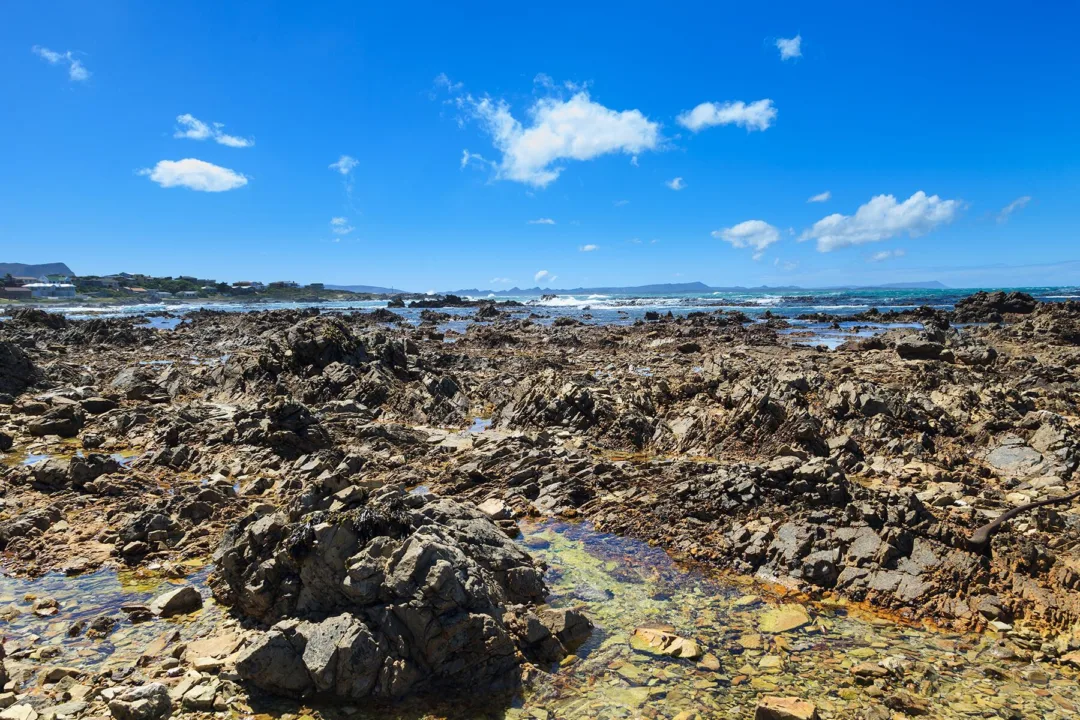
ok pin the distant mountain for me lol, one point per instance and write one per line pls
(373, 289)
(24, 270)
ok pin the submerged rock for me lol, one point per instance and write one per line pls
(394, 594)
(784, 708)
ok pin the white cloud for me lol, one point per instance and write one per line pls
(192, 128)
(77, 72)
(676, 184)
(500, 281)
(222, 138)
(345, 164)
(790, 47)
(821, 197)
(882, 218)
(542, 221)
(543, 276)
(756, 234)
(558, 130)
(589, 248)
(1018, 204)
(194, 175)
(785, 264)
(757, 115)
(621, 203)
(340, 226)
(634, 160)
(886, 255)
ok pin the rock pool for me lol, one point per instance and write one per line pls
(740, 646)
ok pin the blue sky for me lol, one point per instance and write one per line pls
(921, 122)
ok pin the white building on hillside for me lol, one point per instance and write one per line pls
(51, 290)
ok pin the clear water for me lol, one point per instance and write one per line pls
(623, 584)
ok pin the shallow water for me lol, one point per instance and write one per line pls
(84, 598)
(622, 584)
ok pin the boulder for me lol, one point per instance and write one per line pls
(391, 593)
(145, 702)
(182, 600)
(65, 421)
(17, 372)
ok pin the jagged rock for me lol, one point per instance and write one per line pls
(65, 421)
(17, 372)
(991, 306)
(394, 593)
(145, 702)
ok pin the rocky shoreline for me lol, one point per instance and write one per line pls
(359, 521)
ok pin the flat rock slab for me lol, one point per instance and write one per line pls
(783, 618)
(1014, 459)
(785, 708)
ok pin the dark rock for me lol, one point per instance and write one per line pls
(393, 594)
(65, 421)
(17, 372)
(145, 702)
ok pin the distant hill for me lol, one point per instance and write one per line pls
(24, 270)
(373, 289)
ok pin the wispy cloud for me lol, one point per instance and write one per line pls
(785, 264)
(543, 276)
(191, 128)
(676, 184)
(790, 48)
(882, 218)
(340, 226)
(821, 197)
(588, 248)
(345, 164)
(621, 203)
(541, 221)
(77, 72)
(500, 281)
(756, 234)
(886, 255)
(1018, 204)
(194, 175)
(558, 129)
(468, 158)
(757, 115)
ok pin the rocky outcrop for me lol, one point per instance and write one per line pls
(387, 594)
(993, 306)
(17, 372)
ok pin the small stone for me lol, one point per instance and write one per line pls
(869, 670)
(662, 640)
